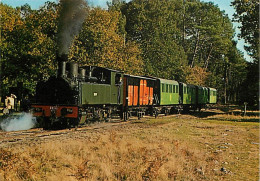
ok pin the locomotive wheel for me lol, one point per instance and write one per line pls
(99, 115)
(126, 115)
(73, 123)
(45, 123)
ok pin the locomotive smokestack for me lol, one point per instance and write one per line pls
(72, 15)
(62, 65)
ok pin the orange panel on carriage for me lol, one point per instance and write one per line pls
(135, 95)
(130, 95)
(146, 93)
(141, 95)
(138, 91)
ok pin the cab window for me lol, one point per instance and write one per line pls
(118, 79)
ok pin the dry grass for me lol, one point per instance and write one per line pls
(184, 148)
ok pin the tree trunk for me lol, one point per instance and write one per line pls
(226, 82)
(195, 49)
(183, 28)
(207, 60)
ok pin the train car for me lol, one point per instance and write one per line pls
(212, 96)
(188, 95)
(139, 95)
(168, 96)
(169, 92)
(202, 96)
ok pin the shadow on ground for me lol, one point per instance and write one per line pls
(227, 114)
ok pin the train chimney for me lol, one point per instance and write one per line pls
(62, 65)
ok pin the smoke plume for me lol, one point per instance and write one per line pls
(72, 15)
(23, 122)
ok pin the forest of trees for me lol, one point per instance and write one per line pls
(186, 40)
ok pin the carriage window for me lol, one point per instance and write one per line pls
(177, 89)
(118, 79)
(167, 88)
(174, 89)
(163, 88)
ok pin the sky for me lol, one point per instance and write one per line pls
(222, 4)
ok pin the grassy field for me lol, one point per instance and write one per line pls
(201, 146)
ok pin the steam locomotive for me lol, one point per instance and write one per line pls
(77, 95)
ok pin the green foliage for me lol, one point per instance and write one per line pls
(153, 25)
(208, 33)
(247, 13)
(189, 41)
(101, 43)
(236, 73)
(27, 45)
(250, 87)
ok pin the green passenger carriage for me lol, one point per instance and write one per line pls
(187, 94)
(212, 95)
(169, 92)
(203, 95)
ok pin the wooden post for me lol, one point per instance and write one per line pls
(245, 103)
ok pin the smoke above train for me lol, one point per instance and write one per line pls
(71, 18)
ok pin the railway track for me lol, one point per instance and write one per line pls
(38, 134)
(7, 138)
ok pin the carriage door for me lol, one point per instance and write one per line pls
(119, 84)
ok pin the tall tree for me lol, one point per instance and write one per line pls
(208, 33)
(247, 13)
(101, 43)
(153, 24)
(207, 43)
(236, 74)
(27, 44)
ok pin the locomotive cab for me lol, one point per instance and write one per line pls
(102, 86)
